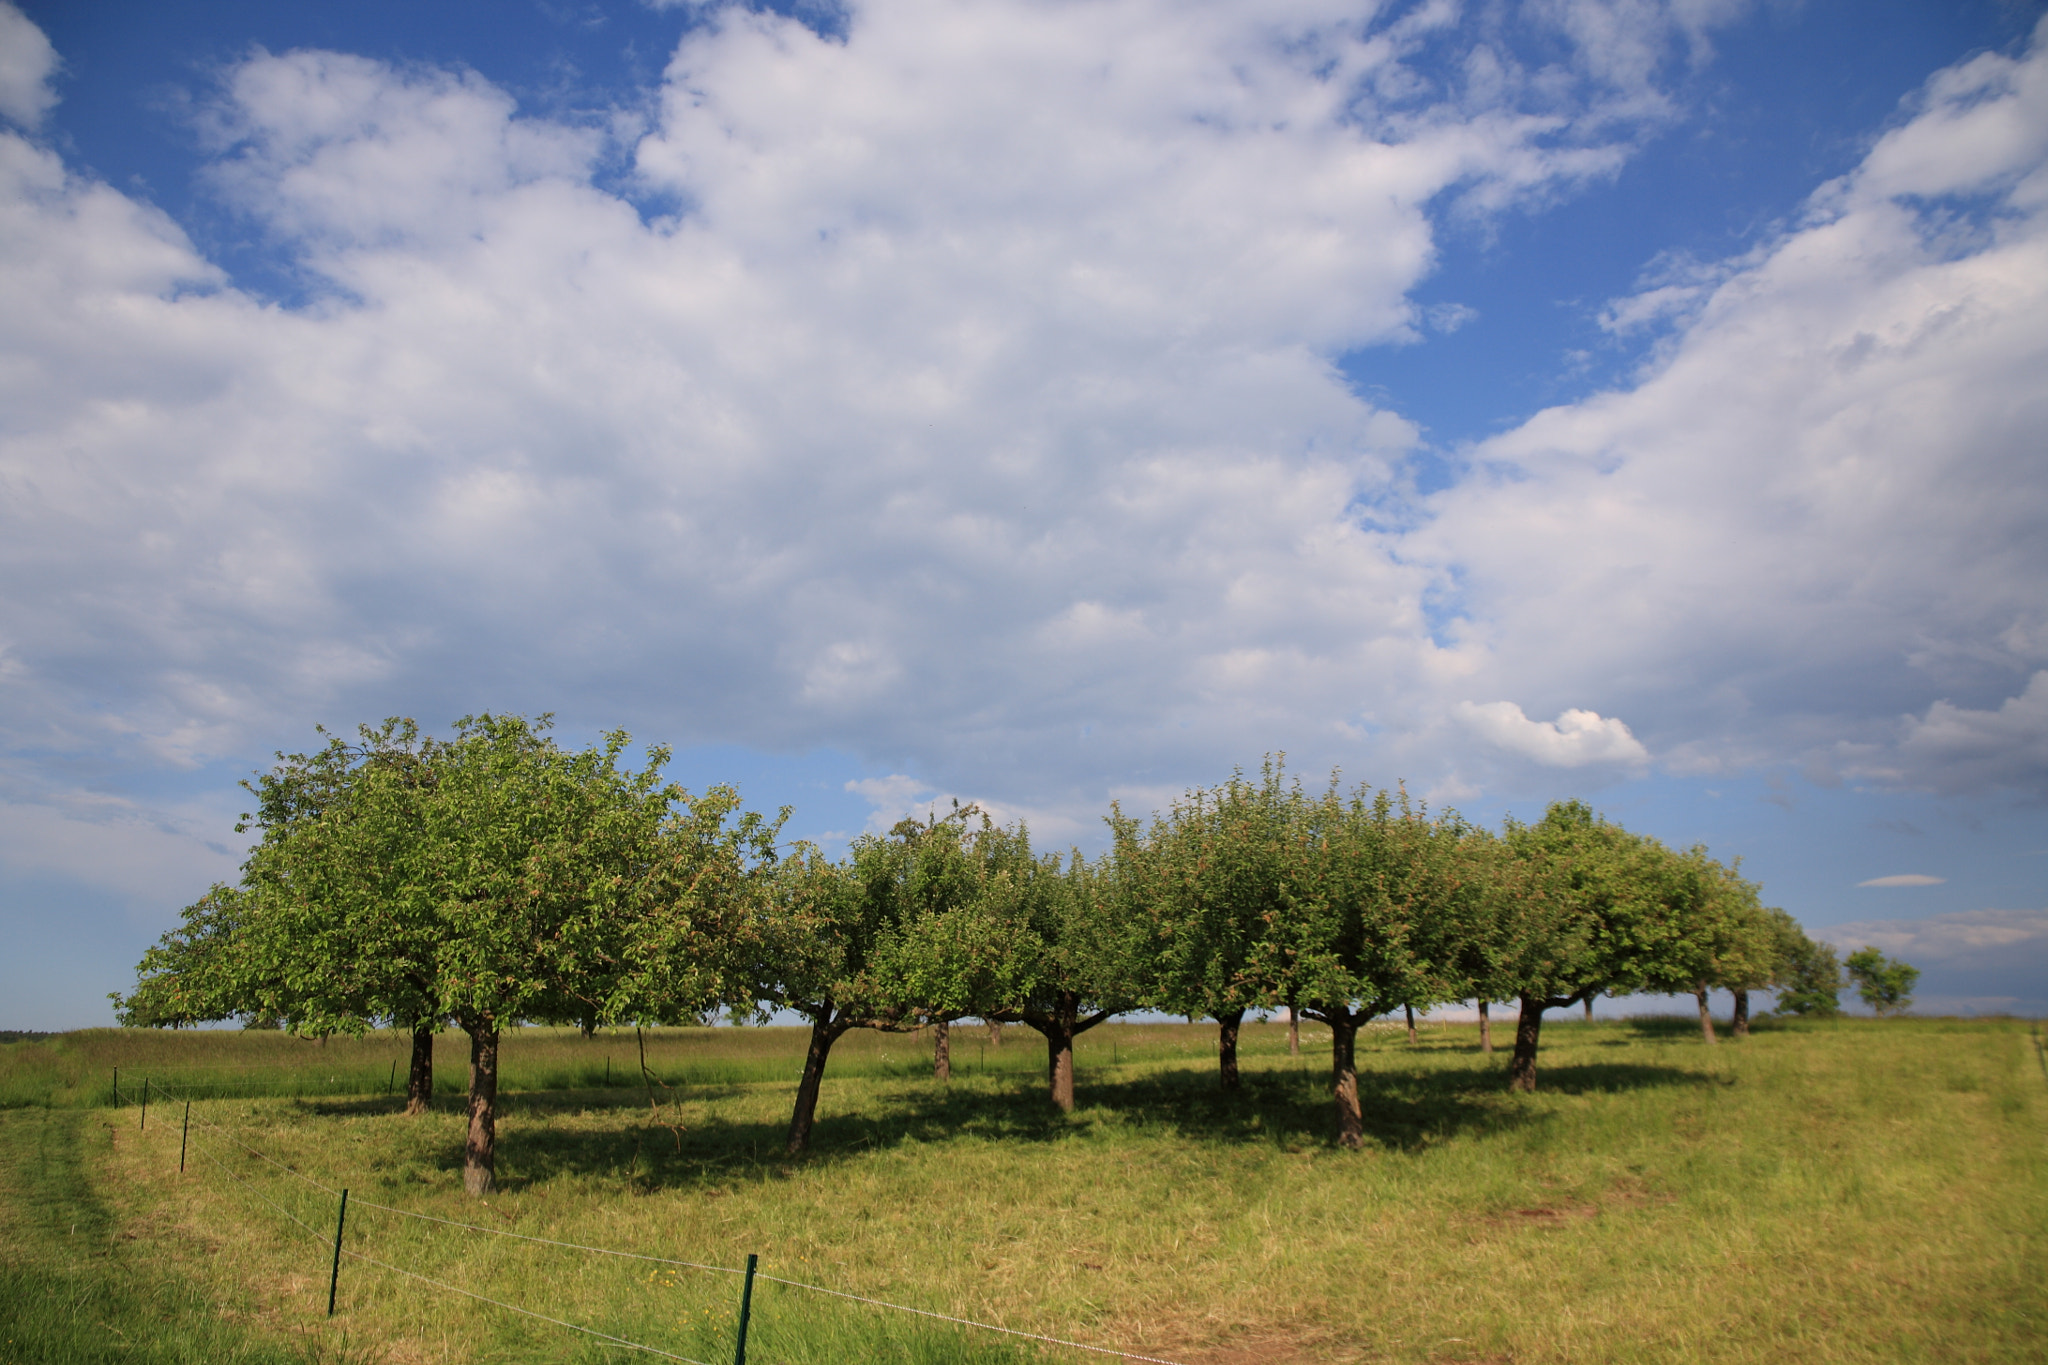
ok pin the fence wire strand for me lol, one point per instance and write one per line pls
(966, 1322)
(515, 1308)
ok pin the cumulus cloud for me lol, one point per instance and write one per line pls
(1905, 879)
(27, 62)
(961, 388)
(959, 384)
(1822, 506)
(1576, 739)
(1954, 748)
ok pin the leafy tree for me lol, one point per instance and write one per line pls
(1506, 907)
(1886, 984)
(341, 937)
(855, 945)
(1210, 879)
(567, 888)
(1376, 905)
(1072, 941)
(1805, 971)
(492, 878)
(1599, 922)
(186, 977)
(1718, 938)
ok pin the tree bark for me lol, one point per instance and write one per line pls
(1589, 1009)
(995, 1033)
(1485, 1031)
(419, 1075)
(1409, 1010)
(1706, 1015)
(1740, 1027)
(1344, 1081)
(1059, 1065)
(825, 1031)
(1528, 1029)
(1061, 1025)
(480, 1151)
(942, 1051)
(1227, 1026)
(1293, 1031)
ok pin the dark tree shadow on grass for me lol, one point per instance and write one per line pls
(1407, 1108)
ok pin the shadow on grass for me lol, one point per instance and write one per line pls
(1406, 1108)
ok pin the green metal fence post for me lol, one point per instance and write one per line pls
(739, 1355)
(117, 1087)
(334, 1279)
(183, 1134)
(145, 1104)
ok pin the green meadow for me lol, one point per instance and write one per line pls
(1846, 1190)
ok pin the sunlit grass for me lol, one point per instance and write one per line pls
(1841, 1192)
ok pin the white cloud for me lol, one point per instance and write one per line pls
(1905, 879)
(963, 391)
(27, 62)
(1954, 748)
(977, 394)
(1576, 739)
(1824, 506)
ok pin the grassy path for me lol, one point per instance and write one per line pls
(74, 1286)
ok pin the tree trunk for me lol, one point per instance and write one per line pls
(1226, 1046)
(480, 1152)
(1061, 1025)
(1485, 1031)
(1409, 1010)
(824, 1032)
(995, 1033)
(1589, 1009)
(1293, 1031)
(1344, 1080)
(1706, 1016)
(1741, 1024)
(942, 1051)
(1528, 1028)
(419, 1076)
(1059, 1061)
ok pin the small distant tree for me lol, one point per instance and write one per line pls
(1886, 984)
(1806, 973)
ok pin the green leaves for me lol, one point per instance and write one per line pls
(1886, 984)
(491, 876)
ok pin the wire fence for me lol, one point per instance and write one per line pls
(337, 1246)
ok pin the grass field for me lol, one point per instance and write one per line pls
(1844, 1191)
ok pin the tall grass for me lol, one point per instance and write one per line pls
(1854, 1191)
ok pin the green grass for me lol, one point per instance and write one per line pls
(79, 1069)
(1848, 1191)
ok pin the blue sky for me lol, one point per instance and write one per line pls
(1044, 404)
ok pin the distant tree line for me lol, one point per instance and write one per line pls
(496, 878)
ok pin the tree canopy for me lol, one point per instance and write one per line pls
(494, 878)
